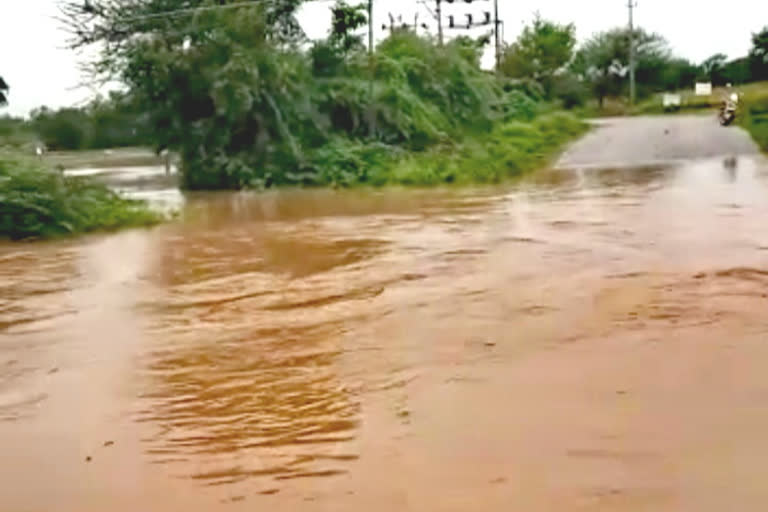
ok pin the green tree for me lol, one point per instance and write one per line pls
(678, 74)
(329, 56)
(758, 55)
(116, 121)
(737, 71)
(713, 67)
(543, 49)
(603, 62)
(67, 128)
(345, 20)
(248, 107)
(3, 92)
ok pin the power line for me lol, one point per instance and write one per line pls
(191, 10)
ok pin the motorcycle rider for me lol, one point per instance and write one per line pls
(729, 104)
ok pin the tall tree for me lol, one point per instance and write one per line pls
(346, 20)
(330, 55)
(3, 92)
(713, 67)
(543, 49)
(603, 62)
(119, 26)
(214, 76)
(758, 55)
(678, 74)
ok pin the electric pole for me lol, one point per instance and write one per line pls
(439, 16)
(496, 31)
(632, 90)
(370, 27)
(371, 112)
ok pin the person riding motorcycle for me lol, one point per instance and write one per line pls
(729, 106)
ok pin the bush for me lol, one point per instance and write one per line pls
(37, 203)
(570, 91)
(755, 118)
(15, 133)
(509, 150)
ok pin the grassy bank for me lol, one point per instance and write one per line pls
(509, 150)
(689, 104)
(754, 116)
(506, 151)
(36, 202)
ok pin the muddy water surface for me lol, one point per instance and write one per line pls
(581, 341)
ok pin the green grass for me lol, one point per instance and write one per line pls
(36, 202)
(690, 103)
(510, 150)
(754, 114)
(693, 103)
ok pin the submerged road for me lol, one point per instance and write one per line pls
(591, 339)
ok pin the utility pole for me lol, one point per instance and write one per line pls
(496, 31)
(370, 27)
(632, 89)
(439, 16)
(371, 112)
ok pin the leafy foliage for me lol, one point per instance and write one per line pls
(677, 74)
(713, 67)
(62, 129)
(345, 19)
(509, 150)
(755, 118)
(16, 133)
(758, 55)
(543, 49)
(603, 62)
(104, 123)
(36, 202)
(247, 109)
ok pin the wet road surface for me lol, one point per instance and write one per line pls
(656, 140)
(584, 340)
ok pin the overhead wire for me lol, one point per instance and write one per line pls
(192, 10)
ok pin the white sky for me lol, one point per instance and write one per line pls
(40, 71)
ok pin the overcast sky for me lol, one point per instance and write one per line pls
(40, 71)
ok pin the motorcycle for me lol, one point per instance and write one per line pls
(728, 110)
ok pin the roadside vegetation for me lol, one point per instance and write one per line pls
(104, 123)
(246, 101)
(36, 202)
(754, 116)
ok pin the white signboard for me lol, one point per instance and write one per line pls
(671, 100)
(703, 89)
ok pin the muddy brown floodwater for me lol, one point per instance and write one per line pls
(580, 341)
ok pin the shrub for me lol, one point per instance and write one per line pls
(755, 118)
(36, 202)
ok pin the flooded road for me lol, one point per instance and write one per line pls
(584, 340)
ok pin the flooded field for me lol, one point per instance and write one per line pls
(588, 340)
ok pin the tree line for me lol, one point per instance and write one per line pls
(547, 53)
(247, 100)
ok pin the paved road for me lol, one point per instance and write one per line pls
(639, 141)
